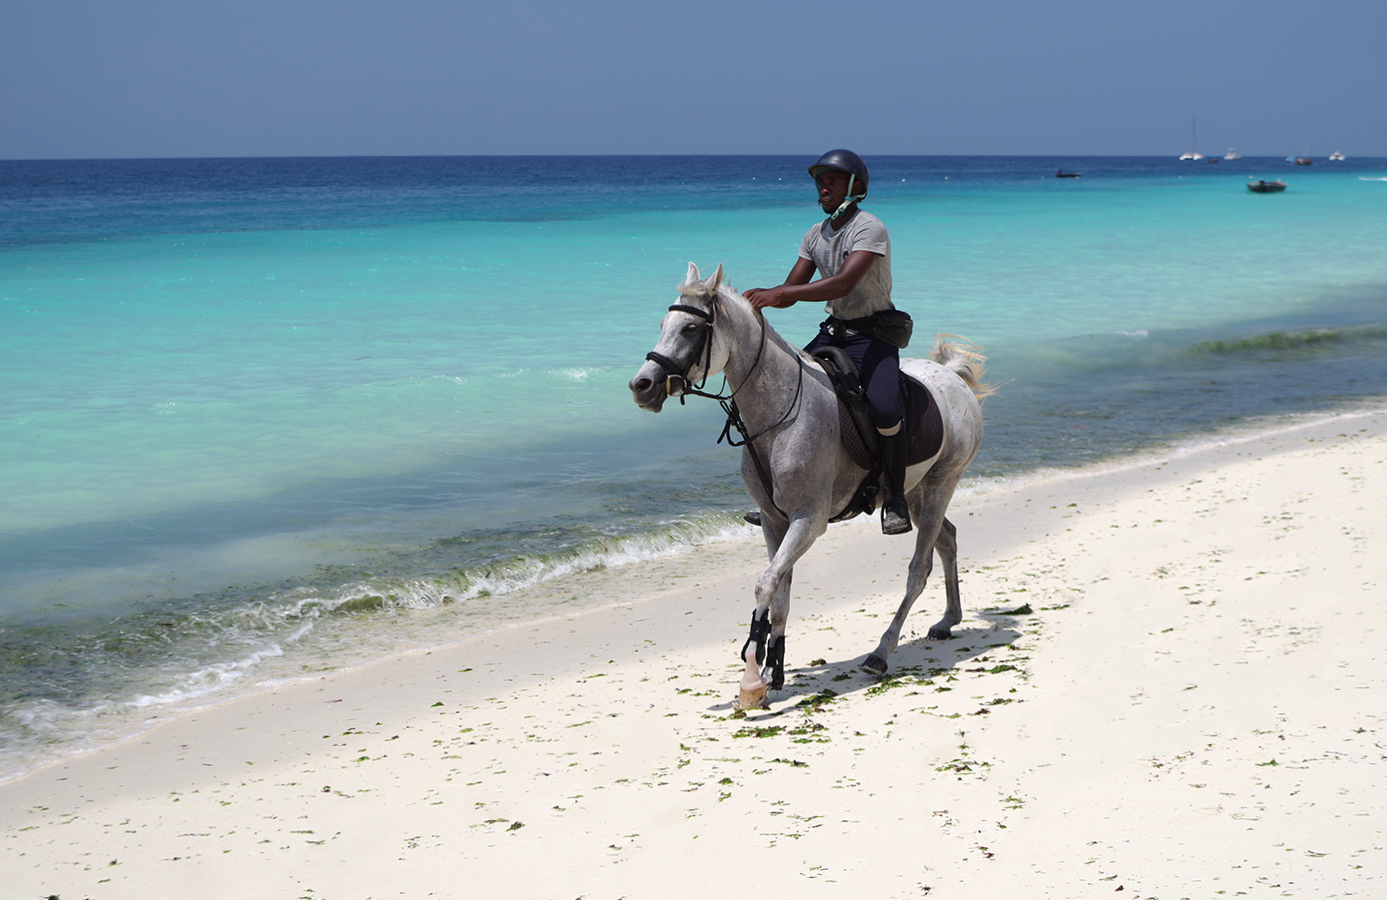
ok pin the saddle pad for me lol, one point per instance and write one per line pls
(922, 417)
(926, 422)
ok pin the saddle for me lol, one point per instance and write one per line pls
(920, 417)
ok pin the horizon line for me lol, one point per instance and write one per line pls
(345, 156)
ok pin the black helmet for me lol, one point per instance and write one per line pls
(844, 161)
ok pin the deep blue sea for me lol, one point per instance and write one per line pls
(265, 417)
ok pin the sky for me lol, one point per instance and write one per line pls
(211, 78)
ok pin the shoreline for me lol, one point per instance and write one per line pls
(1164, 719)
(582, 572)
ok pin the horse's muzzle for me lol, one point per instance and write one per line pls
(650, 387)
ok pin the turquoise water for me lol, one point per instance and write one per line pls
(260, 417)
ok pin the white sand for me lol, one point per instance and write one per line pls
(1194, 708)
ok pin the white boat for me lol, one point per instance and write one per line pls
(1336, 156)
(1232, 154)
(1193, 152)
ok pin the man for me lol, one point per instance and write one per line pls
(851, 251)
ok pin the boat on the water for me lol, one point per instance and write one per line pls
(1266, 187)
(1193, 153)
(1060, 173)
(1336, 156)
(1304, 161)
(1232, 154)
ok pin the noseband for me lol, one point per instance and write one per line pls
(677, 377)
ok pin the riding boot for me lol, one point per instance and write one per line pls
(753, 518)
(895, 512)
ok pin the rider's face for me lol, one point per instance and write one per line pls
(833, 189)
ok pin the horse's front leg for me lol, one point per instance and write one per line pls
(766, 643)
(778, 614)
(764, 650)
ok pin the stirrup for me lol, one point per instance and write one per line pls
(895, 515)
(753, 518)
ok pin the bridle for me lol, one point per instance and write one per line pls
(677, 377)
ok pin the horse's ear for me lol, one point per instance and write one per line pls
(693, 277)
(714, 280)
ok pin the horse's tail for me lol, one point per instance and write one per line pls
(966, 360)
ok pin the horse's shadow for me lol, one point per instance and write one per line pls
(914, 657)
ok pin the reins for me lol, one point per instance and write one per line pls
(728, 402)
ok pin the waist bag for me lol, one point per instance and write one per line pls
(890, 325)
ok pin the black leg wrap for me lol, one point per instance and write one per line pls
(760, 630)
(775, 662)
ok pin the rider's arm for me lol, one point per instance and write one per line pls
(760, 298)
(798, 287)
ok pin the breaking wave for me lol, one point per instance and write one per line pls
(67, 688)
(1292, 341)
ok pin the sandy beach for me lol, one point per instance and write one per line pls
(1167, 685)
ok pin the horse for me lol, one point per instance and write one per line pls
(794, 463)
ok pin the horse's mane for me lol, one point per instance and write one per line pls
(724, 293)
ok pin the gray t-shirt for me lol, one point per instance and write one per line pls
(826, 248)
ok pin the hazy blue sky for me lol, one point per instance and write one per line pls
(132, 78)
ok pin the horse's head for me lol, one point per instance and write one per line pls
(685, 355)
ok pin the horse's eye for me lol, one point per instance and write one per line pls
(690, 328)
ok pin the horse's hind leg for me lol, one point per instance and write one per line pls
(947, 548)
(935, 532)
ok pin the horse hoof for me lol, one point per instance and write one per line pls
(940, 633)
(873, 665)
(749, 700)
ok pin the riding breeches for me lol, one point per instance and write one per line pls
(879, 365)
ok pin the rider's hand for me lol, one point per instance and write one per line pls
(760, 298)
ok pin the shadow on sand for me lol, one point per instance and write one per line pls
(807, 686)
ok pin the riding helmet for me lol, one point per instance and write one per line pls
(843, 161)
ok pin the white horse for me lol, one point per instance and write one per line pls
(795, 465)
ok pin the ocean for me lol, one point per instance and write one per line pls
(264, 418)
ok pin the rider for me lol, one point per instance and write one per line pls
(852, 252)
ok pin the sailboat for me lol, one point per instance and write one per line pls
(1232, 154)
(1193, 152)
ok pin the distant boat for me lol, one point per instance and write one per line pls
(1063, 174)
(1193, 152)
(1304, 161)
(1232, 154)
(1336, 156)
(1266, 187)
